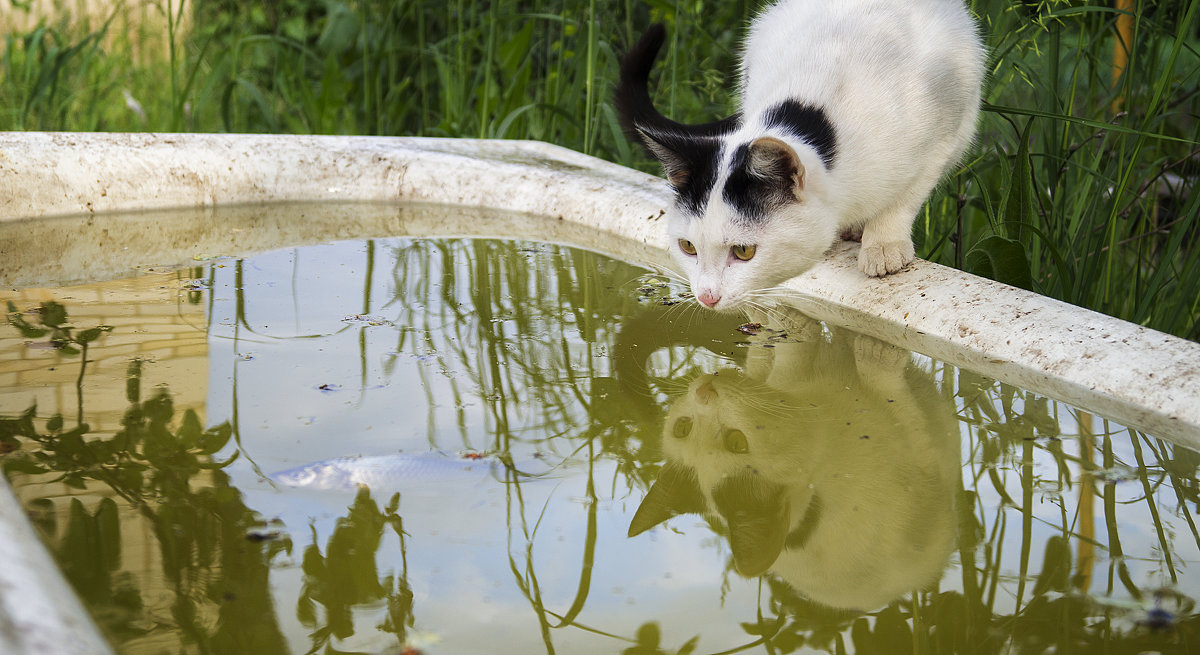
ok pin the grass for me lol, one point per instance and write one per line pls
(1078, 188)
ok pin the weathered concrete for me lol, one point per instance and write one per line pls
(1136, 376)
(39, 613)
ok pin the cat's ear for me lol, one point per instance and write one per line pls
(776, 165)
(757, 512)
(676, 491)
(674, 160)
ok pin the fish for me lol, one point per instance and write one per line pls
(398, 470)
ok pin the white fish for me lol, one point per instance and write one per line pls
(392, 471)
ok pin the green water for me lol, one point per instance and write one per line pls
(564, 458)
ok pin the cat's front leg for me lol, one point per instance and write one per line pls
(887, 243)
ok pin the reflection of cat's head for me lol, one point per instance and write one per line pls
(838, 476)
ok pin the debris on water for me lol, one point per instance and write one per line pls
(368, 320)
(769, 336)
(329, 388)
(260, 535)
(1114, 474)
(660, 291)
(196, 285)
(1157, 619)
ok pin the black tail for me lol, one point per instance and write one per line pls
(632, 98)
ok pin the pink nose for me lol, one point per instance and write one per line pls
(708, 298)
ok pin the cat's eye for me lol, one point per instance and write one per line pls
(736, 442)
(682, 427)
(744, 253)
(687, 246)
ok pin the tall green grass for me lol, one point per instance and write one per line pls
(1063, 194)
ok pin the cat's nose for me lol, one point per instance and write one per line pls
(709, 298)
(706, 393)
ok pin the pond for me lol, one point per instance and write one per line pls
(476, 445)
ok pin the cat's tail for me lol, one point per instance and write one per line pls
(636, 110)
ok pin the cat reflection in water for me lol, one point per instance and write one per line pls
(832, 461)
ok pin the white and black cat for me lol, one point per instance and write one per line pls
(851, 111)
(831, 461)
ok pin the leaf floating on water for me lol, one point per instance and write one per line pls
(750, 328)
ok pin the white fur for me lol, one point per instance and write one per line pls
(899, 80)
(846, 423)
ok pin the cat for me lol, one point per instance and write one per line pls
(831, 460)
(851, 111)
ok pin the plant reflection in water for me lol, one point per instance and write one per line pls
(819, 490)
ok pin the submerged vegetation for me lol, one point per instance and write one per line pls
(1080, 187)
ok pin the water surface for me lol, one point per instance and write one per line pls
(486, 446)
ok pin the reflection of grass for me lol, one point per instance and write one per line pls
(552, 364)
(166, 476)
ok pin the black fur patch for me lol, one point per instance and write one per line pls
(698, 157)
(690, 149)
(742, 190)
(751, 196)
(808, 123)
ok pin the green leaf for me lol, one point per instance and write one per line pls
(341, 29)
(22, 465)
(190, 431)
(16, 320)
(53, 314)
(1019, 204)
(215, 438)
(91, 334)
(1000, 259)
(1056, 566)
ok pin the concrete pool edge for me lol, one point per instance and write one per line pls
(1141, 377)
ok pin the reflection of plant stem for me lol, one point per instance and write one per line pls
(1178, 485)
(79, 383)
(1135, 439)
(997, 542)
(762, 626)
(1026, 516)
(589, 547)
(587, 628)
(1086, 549)
(530, 588)
(1117, 554)
(368, 280)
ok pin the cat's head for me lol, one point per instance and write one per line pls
(746, 216)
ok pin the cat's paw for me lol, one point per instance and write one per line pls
(877, 259)
(872, 356)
